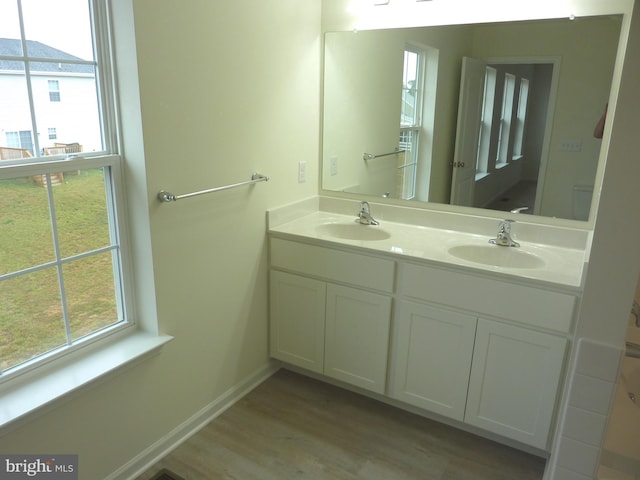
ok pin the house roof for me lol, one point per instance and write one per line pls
(10, 47)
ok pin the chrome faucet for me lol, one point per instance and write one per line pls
(504, 235)
(635, 311)
(519, 209)
(364, 215)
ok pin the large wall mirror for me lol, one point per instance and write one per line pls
(497, 116)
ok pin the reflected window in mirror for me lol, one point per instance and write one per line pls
(486, 122)
(417, 111)
(505, 120)
(410, 120)
(521, 117)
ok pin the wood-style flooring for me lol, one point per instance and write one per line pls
(294, 427)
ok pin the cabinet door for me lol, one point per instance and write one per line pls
(431, 358)
(297, 320)
(357, 337)
(514, 381)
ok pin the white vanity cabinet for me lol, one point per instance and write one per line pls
(478, 348)
(341, 331)
(431, 358)
(357, 337)
(297, 320)
(501, 374)
(514, 379)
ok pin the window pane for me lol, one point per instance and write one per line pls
(409, 108)
(407, 164)
(9, 25)
(521, 116)
(91, 300)
(31, 321)
(25, 225)
(505, 119)
(486, 121)
(63, 26)
(81, 211)
(65, 95)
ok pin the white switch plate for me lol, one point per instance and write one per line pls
(302, 172)
(571, 145)
(334, 166)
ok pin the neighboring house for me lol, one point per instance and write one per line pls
(64, 93)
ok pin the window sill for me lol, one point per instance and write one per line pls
(22, 397)
(501, 165)
(481, 175)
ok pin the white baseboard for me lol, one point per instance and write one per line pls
(182, 432)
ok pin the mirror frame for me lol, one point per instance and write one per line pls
(350, 15)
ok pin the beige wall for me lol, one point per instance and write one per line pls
(226, 88)
(361, 110)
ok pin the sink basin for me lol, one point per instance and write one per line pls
(509, 257)
(353, 231)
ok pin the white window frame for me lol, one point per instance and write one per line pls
(521, 119)
(111, 162)
(486, 122)
(54, 93)
(504, 136)
(50, 377)
(408, 163)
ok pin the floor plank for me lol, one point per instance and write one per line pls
(292, 426)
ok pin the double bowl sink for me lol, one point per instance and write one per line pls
(484, 254)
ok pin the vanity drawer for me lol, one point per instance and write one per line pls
(347, 267)
(529, 305)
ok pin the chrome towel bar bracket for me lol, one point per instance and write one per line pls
(165, 196)
(371, 156)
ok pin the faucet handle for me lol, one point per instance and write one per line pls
(505, 224)
(504, 234)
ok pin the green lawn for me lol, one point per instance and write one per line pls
(31, 319)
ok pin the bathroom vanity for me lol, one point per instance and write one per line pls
(474, 336)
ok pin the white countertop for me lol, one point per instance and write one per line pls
(562, 266)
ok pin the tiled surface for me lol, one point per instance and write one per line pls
(582, 424)
(598, 360)
(578, 456)
(564, 474)
(590, 395)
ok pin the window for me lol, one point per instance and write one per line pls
(505, 119)
(410, 120)
(486, 121)
(521, 117)
(22, 140)
(54, 90)
(61, 273)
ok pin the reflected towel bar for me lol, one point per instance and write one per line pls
(371, 156)
(170, 197)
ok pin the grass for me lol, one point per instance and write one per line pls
(31, 318)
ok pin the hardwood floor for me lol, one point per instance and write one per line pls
(292, 426)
